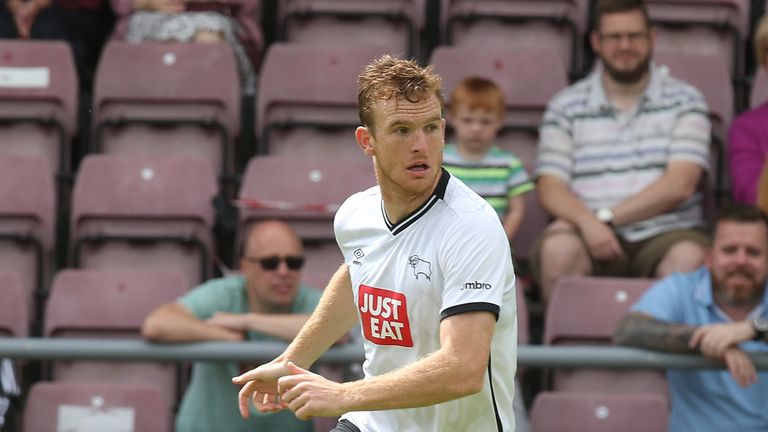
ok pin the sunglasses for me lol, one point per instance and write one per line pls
(273, 262)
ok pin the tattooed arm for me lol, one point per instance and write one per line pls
(640, 330)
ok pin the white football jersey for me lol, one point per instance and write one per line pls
(448, 257)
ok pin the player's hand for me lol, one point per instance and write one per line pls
(601, 240)
(714, 339)
(260, 387)
(740, 366)
(309, 395)
(230, 321)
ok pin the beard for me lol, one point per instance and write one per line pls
(630, 76)
(737, 296)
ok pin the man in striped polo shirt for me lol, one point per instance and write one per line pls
(621, 153)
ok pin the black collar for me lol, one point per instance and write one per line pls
(437, 194)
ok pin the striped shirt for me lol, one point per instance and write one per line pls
(497, 177)
(607, 155)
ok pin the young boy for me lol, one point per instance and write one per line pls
(476, 114)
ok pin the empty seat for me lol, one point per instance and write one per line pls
(569, 412)
(396, 24)
(550, 24)
(27, 214)
(144, 213)
(311, 114)
(168, 99)
(54, 407)
(585, 311)
(111, 304)
(718, 28)
(305, 193)
(38, 101)
(513, 70)
(759, 94)
(13, 307)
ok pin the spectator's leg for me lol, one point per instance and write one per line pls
(207, 36)
(680, 251)
(562, 253)
(683, 256)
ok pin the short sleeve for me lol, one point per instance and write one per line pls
(555, 155)
(691, 132)
(476, 264)
(663, 300)
(218, 295)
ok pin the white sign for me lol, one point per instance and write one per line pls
(31, 77)
(74, 418)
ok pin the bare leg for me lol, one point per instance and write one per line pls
(562, 254)
(683, 256)
(205, 36)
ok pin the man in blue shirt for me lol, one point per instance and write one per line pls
(720, 311)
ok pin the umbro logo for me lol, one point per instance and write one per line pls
(359, 254)
(476, 286)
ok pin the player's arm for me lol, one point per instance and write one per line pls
(333, 317)
(455, 370)
(173, 322)
(678, 184)
(515, 214)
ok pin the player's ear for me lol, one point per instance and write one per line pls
(364, 139)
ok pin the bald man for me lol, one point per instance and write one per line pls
(263, 303)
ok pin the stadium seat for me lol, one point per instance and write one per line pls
(111, 304)
(167, 99)
(571, 319)
(305, 193)
(38, 101)
(569, 412)
(398, 25)
(246, 13)
(311, 114)
(145, 213)
(557, 25)
(13, 307)
(759, 94)
(27, 214)
(57, 407)
(513, 70)
(718, 28)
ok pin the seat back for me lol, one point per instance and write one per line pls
(396, 24)
(595, 412)
(144, 213)
(38, 100)
(759, 94)
(167, 99)
(27, 214)
(295, 109)
(53, 407)
(111, 304)
(557, 25)
(13, 308)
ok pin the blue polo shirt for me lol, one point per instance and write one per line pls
(706, 400)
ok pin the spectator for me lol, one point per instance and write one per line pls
(9, 390)
(169, 21)
(721, 311)
(85, 24)
(266, 303)
(621, 154)
(748, 138)
(477, 113)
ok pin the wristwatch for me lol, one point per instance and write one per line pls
(760, 326)
(605, 215)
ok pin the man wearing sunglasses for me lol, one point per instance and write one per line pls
(264, 303)
(427, 274)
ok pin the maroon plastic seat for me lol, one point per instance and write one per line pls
(168, 99)
(27, 214)
(718, 28)
(512, 69)
(311, 114)
(144, 213)
(759, 94)
(53, 407)
(558, 25)
(305, 193)
(13, 308)
(38, 101)
(595, 412)
(111, 304)
(247, 14)
(398, 25)
(585, 311)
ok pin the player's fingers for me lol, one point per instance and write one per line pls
(243, 399)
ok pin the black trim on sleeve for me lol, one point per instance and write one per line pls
(471, 307)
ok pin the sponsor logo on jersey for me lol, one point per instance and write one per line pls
(384, 316)
(358, 253)
(476, 286)
(420, 267)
